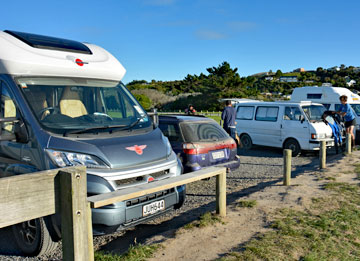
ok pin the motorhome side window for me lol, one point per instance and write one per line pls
(245, 112)
(266, 113)
(8, 108)
(292, 113)
(314, 95)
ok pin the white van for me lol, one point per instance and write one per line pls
(289, 125)
(329, 97)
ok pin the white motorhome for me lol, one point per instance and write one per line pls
(63, 104)
(329, 97)
(290, 125)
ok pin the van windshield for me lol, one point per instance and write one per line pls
(78, 105)
(314, 112)
(356, 108)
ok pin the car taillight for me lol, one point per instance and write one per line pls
(190, 148)
(233, 145)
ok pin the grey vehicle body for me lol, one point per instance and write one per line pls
(109, 133)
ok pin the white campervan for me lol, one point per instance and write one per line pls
(289, 125)
(329, 97)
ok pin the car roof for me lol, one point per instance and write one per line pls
(184, 117)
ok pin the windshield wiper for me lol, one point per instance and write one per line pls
(110, 127)
(132, 125)
(94, 128)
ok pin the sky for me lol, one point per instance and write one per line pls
(165, 40)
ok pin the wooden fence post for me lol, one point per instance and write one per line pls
(221, 194)
(348, 143)
(322, 154)
(287, 167)
(74, 214)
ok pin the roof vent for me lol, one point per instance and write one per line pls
(50, 43)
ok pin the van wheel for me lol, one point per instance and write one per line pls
(246, 142)
(294, 146)
(33, 238)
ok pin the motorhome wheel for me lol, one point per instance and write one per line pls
(33, 238)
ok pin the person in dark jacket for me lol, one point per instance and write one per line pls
(190, 110)
(228, 117)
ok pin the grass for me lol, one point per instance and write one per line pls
(329, 230)
(246, 203)
(208, 219)
(135, 253)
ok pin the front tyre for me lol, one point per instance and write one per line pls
(294, 146)
(246, 142)
(33, 238)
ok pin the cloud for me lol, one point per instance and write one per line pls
(242, 26)
(159, 2)
(209, 35)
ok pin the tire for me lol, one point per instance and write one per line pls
(33, 238)
(294, 146)
(246, 142)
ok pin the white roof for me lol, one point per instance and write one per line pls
(19, 58)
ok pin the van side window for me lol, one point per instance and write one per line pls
(266, 113)
(245, 112)
(8, 108)
(292, 113)
(337, 107)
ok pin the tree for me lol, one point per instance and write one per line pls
(278, 73)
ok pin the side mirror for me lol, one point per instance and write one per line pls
(4, 134)
(19, 134)
(302, 118)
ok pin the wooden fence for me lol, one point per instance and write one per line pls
(34, 195)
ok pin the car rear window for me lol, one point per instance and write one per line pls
(202, 131)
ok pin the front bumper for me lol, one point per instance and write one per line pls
(315, 144)
(129, 213)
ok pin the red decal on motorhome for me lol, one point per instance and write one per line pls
(137, 149)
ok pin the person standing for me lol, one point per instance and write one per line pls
(228, 117)
(190, 110)
(346, 111)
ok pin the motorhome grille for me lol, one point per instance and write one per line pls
(51, 43)
(155, 175)
(146, 198)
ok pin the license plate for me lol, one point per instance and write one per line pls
(154, 207)
(218, 155)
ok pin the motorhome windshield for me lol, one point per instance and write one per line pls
(314, 112)
(77, 105)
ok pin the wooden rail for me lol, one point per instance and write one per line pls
(34, 195)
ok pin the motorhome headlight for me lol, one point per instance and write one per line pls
(318, 136)
(168, 146)
(64, 159)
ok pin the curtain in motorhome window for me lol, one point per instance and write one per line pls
(245, 112)
(266, 113)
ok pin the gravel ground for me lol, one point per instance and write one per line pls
(259, 167)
